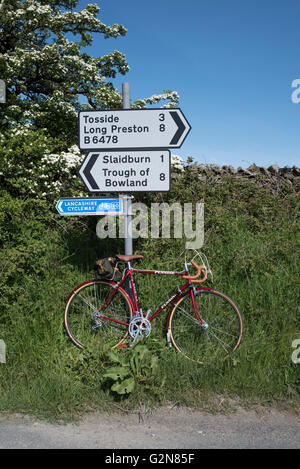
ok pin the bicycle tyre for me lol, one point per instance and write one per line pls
(83, 326)
(223, 334)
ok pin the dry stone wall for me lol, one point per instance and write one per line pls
(273, 177)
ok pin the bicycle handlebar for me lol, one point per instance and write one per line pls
(200, 270)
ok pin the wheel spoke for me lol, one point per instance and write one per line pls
(87, 302)
(86, 326)
(190, 316)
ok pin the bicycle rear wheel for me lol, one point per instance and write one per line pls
(217, 338)
(86, 326)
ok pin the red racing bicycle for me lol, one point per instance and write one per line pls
(202, 323)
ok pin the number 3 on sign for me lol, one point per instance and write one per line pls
(162, 127)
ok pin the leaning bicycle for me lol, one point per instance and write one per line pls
(201, 323)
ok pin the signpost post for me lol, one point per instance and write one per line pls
(128, 197)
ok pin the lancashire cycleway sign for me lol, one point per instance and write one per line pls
(132, 129)
(89, 206)
(130, 171)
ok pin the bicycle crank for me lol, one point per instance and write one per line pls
(139, 327)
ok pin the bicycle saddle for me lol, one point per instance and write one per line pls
(128, 258)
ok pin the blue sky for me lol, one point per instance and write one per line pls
(232, 63)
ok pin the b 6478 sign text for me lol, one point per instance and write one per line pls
(132, 129)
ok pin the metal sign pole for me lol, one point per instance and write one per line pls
(127, 197)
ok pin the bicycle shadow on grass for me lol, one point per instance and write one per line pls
(84, 246)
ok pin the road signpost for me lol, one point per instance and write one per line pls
(89, 206)
(127, 152)
(130, 171)
(127, 197)
(132, 129)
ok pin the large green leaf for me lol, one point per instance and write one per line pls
(116, 372)
(124, 387)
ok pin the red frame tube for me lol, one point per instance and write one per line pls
(171, 300)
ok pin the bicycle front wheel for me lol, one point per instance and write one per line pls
(97, 315)
(219, 335)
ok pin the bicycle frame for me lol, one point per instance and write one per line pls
(134, 302)
(199, 320)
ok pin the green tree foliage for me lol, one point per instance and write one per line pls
(46, 69)
(34, 164)
(49, 78)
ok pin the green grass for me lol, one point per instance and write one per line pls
(252, 243)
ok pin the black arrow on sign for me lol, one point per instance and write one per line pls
(87, 171)
(180, 130)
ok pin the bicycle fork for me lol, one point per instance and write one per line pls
(197, 318)
(203, 324)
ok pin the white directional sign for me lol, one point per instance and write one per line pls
(132, 129)
(130, 171)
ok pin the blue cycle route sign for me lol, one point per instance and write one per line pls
(89, 206)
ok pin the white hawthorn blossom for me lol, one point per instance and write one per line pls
(171, 96)
(48, 74)
(70, 159)
(177, 162)
(49, 77)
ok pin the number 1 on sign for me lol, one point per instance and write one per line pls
(162, 176)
